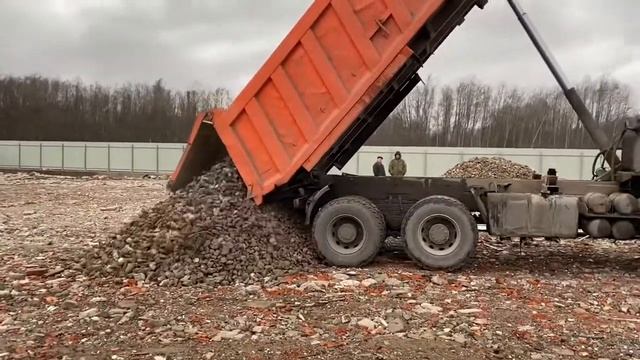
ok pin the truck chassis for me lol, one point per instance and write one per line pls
(438, 217)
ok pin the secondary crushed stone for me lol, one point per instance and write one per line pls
(490, 168)
(208, 232)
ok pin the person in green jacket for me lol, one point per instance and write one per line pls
(397, 166)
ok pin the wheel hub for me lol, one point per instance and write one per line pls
(347, 233)
(439, 234)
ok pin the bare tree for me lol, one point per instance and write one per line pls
(474, 114)
(37, 108)
(468, 113)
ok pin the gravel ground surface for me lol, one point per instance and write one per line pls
(544, 300)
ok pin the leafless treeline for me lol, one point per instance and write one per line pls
(467, 114)
(37, 108)
(472, 114)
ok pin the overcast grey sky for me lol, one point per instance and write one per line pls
(210, 43)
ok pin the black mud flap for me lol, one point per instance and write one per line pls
(204, 150)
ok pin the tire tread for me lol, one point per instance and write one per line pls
(366, 204)
(449, 202)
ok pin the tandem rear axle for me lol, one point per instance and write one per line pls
(438, 218)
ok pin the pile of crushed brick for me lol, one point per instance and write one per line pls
(209, 232)
(490, 168)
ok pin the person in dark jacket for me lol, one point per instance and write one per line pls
(398, 167)
(378, 168)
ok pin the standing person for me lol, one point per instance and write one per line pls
(378, 168)
(397, 166)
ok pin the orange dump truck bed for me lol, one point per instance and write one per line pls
(339, 61)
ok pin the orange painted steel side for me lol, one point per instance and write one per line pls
(332, 64)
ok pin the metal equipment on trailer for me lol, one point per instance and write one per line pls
(335, 78)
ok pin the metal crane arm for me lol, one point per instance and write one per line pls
(599, 137)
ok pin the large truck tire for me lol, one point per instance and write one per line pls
(440, 233)
(349, 231)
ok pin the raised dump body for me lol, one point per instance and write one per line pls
(337, 75)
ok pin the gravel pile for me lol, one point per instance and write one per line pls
(490, 168)
(208, 232)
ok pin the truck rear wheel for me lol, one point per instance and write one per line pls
(440, 233)
(349, 231)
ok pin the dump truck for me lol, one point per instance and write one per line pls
(338, 74)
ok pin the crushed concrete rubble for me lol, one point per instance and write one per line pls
(490, 168)
(208, 232)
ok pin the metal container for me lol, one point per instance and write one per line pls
(339, 59)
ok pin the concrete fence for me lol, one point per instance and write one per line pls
(435, 161)
(162, 158)
(101, 157)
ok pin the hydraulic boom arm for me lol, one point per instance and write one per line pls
(599, 137)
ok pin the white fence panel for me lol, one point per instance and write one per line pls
(433, 161)
(163, 158)
(102, 157)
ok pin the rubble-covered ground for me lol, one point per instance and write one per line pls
(544, 300)
(207, 232)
